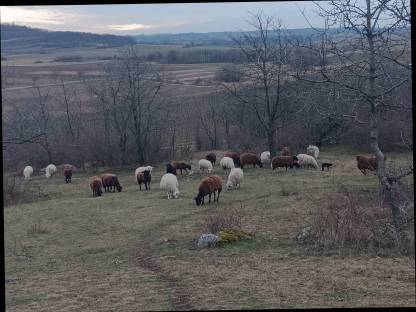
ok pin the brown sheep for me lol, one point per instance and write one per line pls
(144, 177)
(208, 186)
(250, 159)
(68, 173)
(212, 158)
(367, 163)
(181, 165)
(284, 161)
(235, 156)
(110, 182)
(95, 184)
(285, 151)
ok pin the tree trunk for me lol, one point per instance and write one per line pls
(271, 142)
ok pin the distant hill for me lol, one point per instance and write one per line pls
(212, 38)
(16, 38)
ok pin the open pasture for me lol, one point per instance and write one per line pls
(133, 250)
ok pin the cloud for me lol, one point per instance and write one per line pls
(126, 27)
(33, 16)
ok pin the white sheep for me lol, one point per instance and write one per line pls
(307, 161)
(204, 164)
(170, 184)
(227, 163)
(235, 177)
(265, 157)
(27, 172)
(50, 170)
(313, 151)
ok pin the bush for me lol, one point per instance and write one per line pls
(229, 219)
(68, 58)
(16, 191)
(347, 223)
(229, 73)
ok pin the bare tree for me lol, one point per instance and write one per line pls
(364, 64)
(264, 85)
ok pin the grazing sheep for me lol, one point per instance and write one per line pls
(27, 172)
(235, 157)
(367, 163)
(144, 177)
(169, 183)
(235, 177)
(212, 158)
(95, 184)
(284, 161)
(326, 165)
(265, 157)
(208, 186)
(307, 161)
(170, 169)
(141, 169)
(285, 151)
(226, 163)
(181, 165)
(50, 170)
(205, 164)
(110, 182)
(313, 151)
(250, 159)
(68, 173)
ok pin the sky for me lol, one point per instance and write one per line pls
(132, 19)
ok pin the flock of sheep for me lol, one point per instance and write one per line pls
(232, 163)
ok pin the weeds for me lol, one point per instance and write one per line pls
(16, 190)
(37, 228)
(225, 219)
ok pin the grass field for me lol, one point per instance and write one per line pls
(133, 250)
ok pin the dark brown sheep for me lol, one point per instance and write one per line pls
(235, 156)
(284, 161)
(285, 151)
(180, 165)
(367, 163)
(212, 158)
(68, 173)
(144, 177)
(250, 159)
(208, 186)
(170, 169)
(95, 184)
(110, 182)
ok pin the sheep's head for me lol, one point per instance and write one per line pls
(229, 185)
(176, 194)
(119, 188)
(198, 200)
(210, 170)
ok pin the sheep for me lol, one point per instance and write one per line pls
(307, 161)
(27, 172)
(250, 159)
(265, 157)
(235, 177)
(208, 186)
(170, 169)
(141, 169)
(68, 173)
(313, 151)
(205, 164)
(367, 163)
(169, 183)
(285, 151)
(235, 156)
(211, 157)
(181, 165)
(326, 165)
(50, 170)
(95, 184)
(227, 163)
(110, 182)
(284, 161)
(144, 177)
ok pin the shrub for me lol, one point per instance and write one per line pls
(229, 73)
(16, 190)
(229, 219)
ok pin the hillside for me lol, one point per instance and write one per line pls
(19, 39)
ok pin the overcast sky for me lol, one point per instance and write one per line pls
(134, 19)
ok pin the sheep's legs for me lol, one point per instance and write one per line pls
(210, 197)
(218, 195)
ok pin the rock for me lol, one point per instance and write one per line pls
(207, 240)
(305, 234)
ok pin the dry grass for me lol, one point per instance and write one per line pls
(135, 251)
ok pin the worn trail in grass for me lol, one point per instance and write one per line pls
(136, 250)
